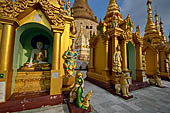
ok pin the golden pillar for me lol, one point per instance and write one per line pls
(91, 65)
(162, 61)
(140, 74)
(6, 55)
(56, 49)
(124, 56)
(56, 78)
(139, 57)
(107, 54)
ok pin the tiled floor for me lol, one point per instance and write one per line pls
(148, 100)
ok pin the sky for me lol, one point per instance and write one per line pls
(137, 10)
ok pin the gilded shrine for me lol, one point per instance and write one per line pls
(34, 35)
(116, 52)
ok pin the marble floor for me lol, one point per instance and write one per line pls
(148, 100)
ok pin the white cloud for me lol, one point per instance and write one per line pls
(138, 11)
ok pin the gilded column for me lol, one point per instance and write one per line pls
(55, 57)
(91, 57)
(140, 71)
(124, 56)
(7, 47)
(56, 79)
(6, 56)
(162, 61)
(56, 48)
(107, 54)
(139, 57)
(91, 66)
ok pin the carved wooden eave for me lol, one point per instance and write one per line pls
(20, 8)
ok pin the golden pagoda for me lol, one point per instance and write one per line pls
(155, 46)
(116, 50)
(34, 35)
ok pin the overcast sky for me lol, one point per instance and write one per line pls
(137, 9)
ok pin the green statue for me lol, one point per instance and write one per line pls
(70, 64)
(77, 91)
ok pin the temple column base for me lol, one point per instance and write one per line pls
(141, 76)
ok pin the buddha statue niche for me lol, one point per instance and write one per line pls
(38, 59)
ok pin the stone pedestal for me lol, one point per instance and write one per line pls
(35, 81)
(74, 109)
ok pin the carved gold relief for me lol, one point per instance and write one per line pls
(13, 9)
(32, 81)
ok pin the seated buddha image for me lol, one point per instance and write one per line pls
(38, 59)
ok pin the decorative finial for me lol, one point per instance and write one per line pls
(138, 30)
(161, 27)
(161, 21)
(150, 26)
(149, 2)
(156, 21)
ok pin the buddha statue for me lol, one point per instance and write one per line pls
(117, 61)
(38, 59)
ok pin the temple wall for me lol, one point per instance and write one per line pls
(99, 56)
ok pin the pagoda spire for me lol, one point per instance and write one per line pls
(162, 30)
(113, 13)
(150, 26)
(156, 21)
(161, 27)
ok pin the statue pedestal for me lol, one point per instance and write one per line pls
(32, 81)
(74, 109)
(68, 83)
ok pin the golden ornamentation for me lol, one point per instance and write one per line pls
(32, 81)
(13, 9)
(117, 59)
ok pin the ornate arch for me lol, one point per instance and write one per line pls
(13, 9)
